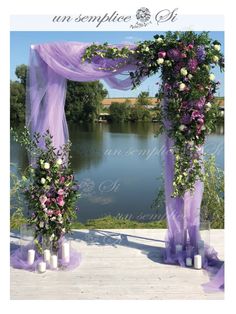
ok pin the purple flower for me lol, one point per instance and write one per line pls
(192, 65)
(186, 119)
(196, 115)
(200, 121)
(161, 54)
(201, 53)
(167, 88)
(199, 104)
(174, 54)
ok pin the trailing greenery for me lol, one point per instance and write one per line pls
(185, 60)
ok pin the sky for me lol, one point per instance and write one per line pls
(21, 42)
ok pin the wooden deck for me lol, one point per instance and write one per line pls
(117, 265)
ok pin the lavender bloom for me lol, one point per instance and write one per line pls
(192, 65)
(197, 115)
(167, 88)
(174, 54)
(199, 104)
(201, 53)
(186, 119)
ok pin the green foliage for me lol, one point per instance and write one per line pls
(17, 219)
(138, 113)
(83, 100)
(212, 207)
(119, 112)
(21, 73)
(143, 99)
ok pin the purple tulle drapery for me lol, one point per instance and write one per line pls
(51, 65)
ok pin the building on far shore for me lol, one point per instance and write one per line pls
(106, 102)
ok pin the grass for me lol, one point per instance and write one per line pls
(109, 222)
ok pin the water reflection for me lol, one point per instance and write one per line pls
(118, 166)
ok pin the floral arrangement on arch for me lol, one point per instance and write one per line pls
(185, 61)
(49, 187)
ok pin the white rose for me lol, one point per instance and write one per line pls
(215, 59)
(212, 77)
(190, 76)
(182, 127)
(182, 86)
(160, 60)
(46, 165)
(183, 71)
(43, 180)
(159, 40)
(59, 161)
(217, 47)
(208, 105)
(41, 224)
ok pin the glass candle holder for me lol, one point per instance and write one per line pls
(204, 241)
(65, 251)
(46, 249)
(27, 243)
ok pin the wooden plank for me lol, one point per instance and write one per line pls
(117, 264)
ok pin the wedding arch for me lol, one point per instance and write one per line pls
(188, 112)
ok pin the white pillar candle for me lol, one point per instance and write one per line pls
(30, 257)
(66, 252)
(46, 255)
(179, 248)
(189, 262)
(197, 261)
(53, 261)
(42, 267)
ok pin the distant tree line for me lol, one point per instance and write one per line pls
(138, 112)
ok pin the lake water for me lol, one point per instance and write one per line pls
(119, 167)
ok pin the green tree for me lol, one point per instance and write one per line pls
(17, 102)
(83, 100)
(119, 112)
(17, 95)
(21, 73)
(143, 99)
(139, 113)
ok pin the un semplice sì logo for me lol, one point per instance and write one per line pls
(143, 17)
